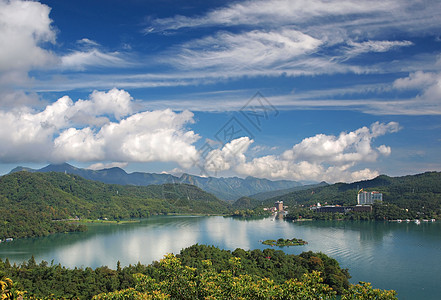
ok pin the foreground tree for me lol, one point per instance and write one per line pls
(8, 291)
(364, 290)
(176, 281)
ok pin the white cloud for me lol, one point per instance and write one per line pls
(116, 102)
(429, 86)
(384, 150)
(295, 38)
(278, 12)
(102, 166)
(331, 20)
(88, 43)
(24, 26)
(240, 51)
(50, 135)
(229, 156)
(80, 60)
(374, 46)
(321, 157)
(416, 80)
(142, 137)
(347, 148)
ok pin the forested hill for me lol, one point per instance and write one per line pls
(229, 189)
(30, 201)
(419, 193)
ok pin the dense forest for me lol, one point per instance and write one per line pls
(198, 272)
(32, 204)
(413, 196)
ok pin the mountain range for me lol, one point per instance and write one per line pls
(229, 189)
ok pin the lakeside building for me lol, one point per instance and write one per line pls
(364, 204)
(368, 198)
(279, 205)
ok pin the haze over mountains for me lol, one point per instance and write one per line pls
(228, 189)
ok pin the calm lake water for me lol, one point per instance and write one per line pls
(401, 256)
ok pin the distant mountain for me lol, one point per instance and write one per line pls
(271, 194)
(228, 189)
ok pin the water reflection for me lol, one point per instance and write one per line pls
(390, 255)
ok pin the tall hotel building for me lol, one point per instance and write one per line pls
(364, 198)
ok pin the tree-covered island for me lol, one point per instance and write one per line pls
(285, 242)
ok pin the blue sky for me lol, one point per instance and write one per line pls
(302, 90)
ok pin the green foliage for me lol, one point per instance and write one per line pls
(182, 282)
(258, 212)
(30, 202)
(18, 222)
(198, 272)
(285, 242)
(364, 290)
(244, 203)
(177, 281)
(269, 263)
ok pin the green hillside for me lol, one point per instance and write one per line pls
(31, 201)
(419, 194)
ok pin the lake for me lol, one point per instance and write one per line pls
(405, 257)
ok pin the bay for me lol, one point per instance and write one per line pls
(400, 256)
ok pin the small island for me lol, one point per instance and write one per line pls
(285, 242)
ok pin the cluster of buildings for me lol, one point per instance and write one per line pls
(278, 207)
(364, 203)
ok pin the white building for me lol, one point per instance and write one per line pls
(364, 198)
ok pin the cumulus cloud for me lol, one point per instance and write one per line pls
(117, 102)
(230, 155)
(24, 26)
(321, 157)
(50, 134)
(142, 137)
(25, 34)
(347, 148)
